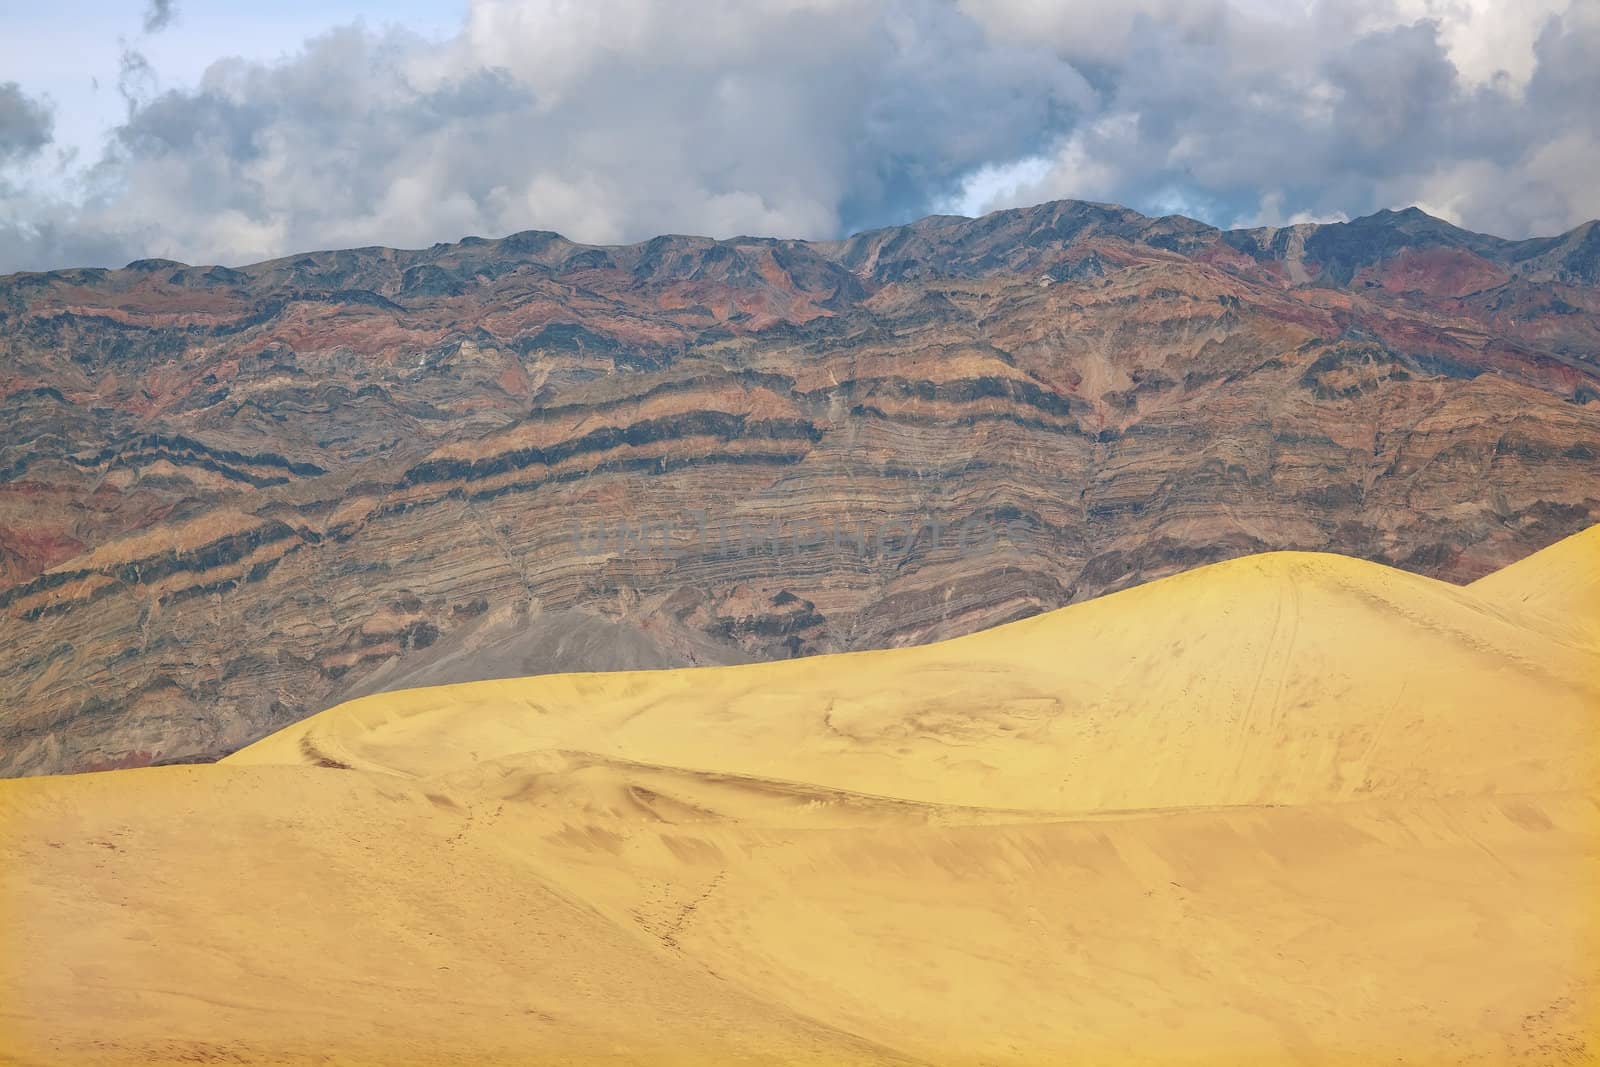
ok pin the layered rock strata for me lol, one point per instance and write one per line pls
(231, 498)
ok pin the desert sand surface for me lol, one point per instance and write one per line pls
(1558, 588)
(1291, 809)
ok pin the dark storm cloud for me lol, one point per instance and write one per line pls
(619, 119)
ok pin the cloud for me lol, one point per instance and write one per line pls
(615, 120)
(159, 15)
(136, 79)
(25, 124)
(1264, 116)
(782, 117)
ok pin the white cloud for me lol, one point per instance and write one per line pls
(998, 183)
(1489, 42)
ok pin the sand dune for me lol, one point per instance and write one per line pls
(1290, 809)
(1557, 589)
(1287, 678)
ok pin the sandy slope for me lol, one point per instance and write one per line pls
(1287, 678)
(1290, 809)
(1558, 589)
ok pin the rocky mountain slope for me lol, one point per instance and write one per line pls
(1292, 808)
(232, 497)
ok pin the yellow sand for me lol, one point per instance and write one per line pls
(1558, 589)
(1290, 809)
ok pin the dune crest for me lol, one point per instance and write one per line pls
(1290, 808)
(1284, 678)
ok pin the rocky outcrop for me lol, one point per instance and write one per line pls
(230, 498)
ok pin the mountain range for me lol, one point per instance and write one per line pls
(233, 497)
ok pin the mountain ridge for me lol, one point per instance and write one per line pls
(1409, 217)
(363, 463)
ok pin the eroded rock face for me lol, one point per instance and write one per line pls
(230, 498)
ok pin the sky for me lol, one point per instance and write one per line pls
(216, 131)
